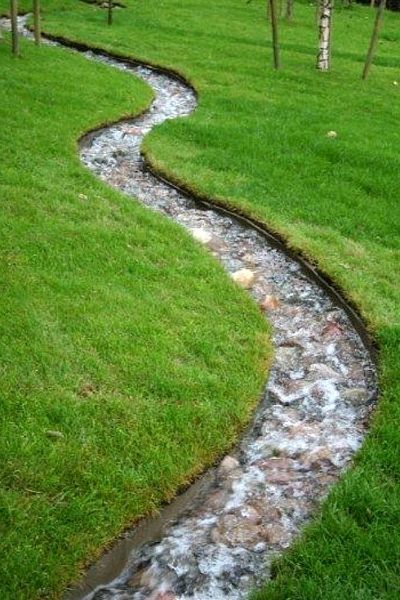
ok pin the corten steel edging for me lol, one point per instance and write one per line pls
(122, 58)
(276, 240)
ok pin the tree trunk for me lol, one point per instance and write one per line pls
(14, 27)
(36, 16)
(275, 35)
(374, 38)
(372, 3)
(110, 12)
(289, 10)
(317, 12)
(325, 27)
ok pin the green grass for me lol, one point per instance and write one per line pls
(116, 330)
(258, 142)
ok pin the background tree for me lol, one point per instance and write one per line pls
(289, 10)
(390, 4)
(14, 27)
(325, 26)
(273, 14)
(36, 17)
(374, 38)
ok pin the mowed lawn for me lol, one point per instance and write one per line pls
(258, 142)
(128, 359)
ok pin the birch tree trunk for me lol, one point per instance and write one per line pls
(36, 17)
(325, 25)
(14, 27)
(374, 38)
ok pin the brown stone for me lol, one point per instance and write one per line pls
(270, 303)
(216, 500)
(251, 515)
(333, 329)
(305, 429)
(228, 464)
(316, 457)
(275, 533)
(269, 513)
(217, 245)
(326, 480)
(280, 463)
(135, 580)
(234, 531)
(279, 477)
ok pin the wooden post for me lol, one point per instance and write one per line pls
(289, 10)
(14, 27)
(374, 38)
(36, 19)
(110, 12)
(275, 34)
(317, 12)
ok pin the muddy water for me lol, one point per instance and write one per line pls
(218, 541)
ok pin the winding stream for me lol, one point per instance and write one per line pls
(312, 415)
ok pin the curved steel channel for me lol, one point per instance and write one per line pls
(218, 540)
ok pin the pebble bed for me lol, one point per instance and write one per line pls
(313, 413)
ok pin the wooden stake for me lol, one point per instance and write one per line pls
(36, 19)
(275, 33)
(110, 12)
(289, 10)
(374, 38)
(14, 27)
(317, 12)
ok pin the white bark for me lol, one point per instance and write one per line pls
(325, 23)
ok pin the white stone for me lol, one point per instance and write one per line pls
(244, 277)
(201, 235)
(229, 464)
